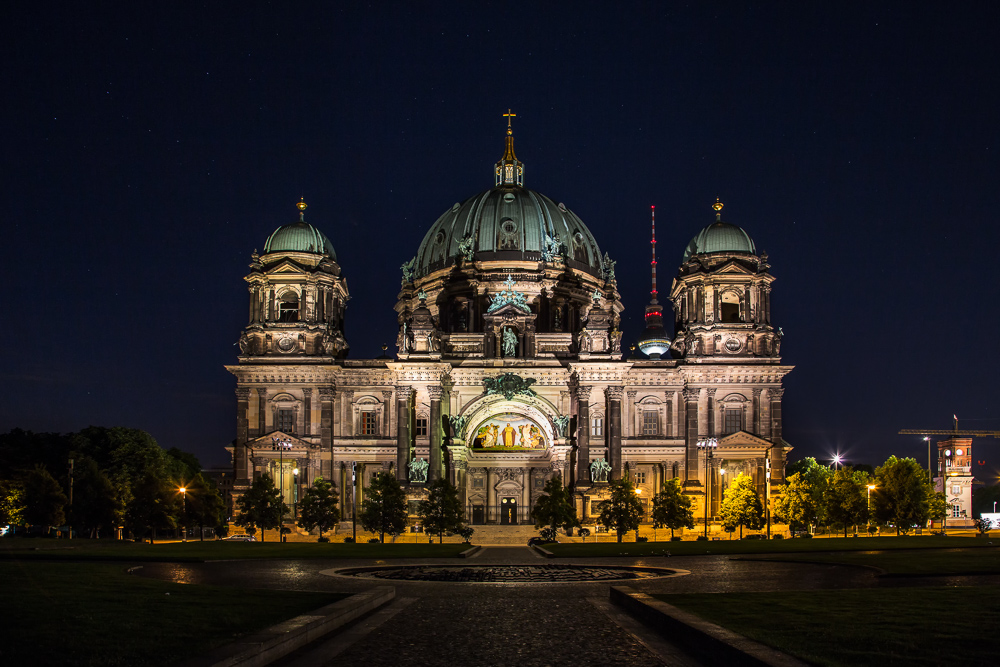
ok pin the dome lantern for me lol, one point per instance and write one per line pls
(509, 170)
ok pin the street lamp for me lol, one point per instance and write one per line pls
(870, 487)
(930, 472)
(184, 496)
(295, 496)
(709, 446)
(281, 445)
(837, 458)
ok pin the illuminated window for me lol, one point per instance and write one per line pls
(597, 426)
(733, 420)
(956, 511)
(730, 307)
(956, 489)
(640, 478)
(369, 423)
(650, 422)
(288, 307)
(421, 426)
(286, 421)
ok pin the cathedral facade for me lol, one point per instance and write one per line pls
(508, 368)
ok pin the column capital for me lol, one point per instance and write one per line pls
(307, 391)
(386, 395)
(326, 393)
(756, 392)
(614, 393)
(242, 393)
(435, 392)
(692, 395)
(776, 394)
(583, 392)
(262, 391)
(711, 391)
(403, 392)
(631, 393)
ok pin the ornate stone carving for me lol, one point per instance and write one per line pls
(510, 385)
(458, 423)
(711, 392)
(403, 392)
(262, 392)
(242, 393)
(386, 395)
(435, 393)
(583, 392)
(507, 474)
(562, 424)
(692, 395)
(509, 296)
(407, 269)
(614, 393)
(326, 393)
(775, 394)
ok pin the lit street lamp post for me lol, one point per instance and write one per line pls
(281, 446)
(870, 487)
(184, 496)
(709, 446)
(295, 497)
(837, 458)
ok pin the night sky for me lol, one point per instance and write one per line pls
(149, 148)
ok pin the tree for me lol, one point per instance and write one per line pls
(938, 508)
(11, 503)
(671, 508)
(796, 504)
(442, 511)
(903, 493)
(318, 507)
(384, 508)
(261, 506)
(204, 504)
(153, 504)
(741, 505)
(95, 500)
(846, 498)
(555, 508)
(623, 510)
(44, 500)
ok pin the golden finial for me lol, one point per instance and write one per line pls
(717, 205)
(302, 205)
(508, 116)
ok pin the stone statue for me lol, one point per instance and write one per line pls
(550, 247)
(583, 340)
(244, 343)
(509, 342)
(418, 470)
(433, 341)
(692, 345)
(466, 247)
(562, 423)
(608, 268)
(599, 469)
(458, 423)
(616, 340)
(408, 268)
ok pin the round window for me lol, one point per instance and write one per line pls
(733, 345)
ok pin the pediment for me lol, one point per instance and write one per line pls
(286, 266)
(743, 439)
(734, 267)
(266, 441)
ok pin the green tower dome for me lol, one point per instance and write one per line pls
(299, 237)
(720, 237)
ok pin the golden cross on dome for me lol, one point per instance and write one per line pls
(717, 205)
(508, 116)
(302, 204)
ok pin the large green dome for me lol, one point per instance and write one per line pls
(507, 222)
(299, 237)
(720, 237)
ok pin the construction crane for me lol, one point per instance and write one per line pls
(954, 433)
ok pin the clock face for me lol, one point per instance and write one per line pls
(733, 345)
(286, 344)
(958, 451)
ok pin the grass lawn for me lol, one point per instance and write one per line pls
(909, 563)
(95, 614)
(900, 626)
(49, 549)
(723, 547)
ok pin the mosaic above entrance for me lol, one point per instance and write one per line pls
(507, 431)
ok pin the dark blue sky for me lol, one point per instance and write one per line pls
(150, 149)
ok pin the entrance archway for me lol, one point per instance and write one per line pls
(508, 512)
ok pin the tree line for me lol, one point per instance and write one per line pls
(119, 478)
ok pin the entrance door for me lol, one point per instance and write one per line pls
(478, 515)
(508, 512)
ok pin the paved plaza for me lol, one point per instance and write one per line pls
(489, 623)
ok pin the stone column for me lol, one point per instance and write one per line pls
(307, 398)
(711, 412)
(434, 431)
(242, 435)
(387, 412)
(261, 411)
(755, 412)
(490, 514)
(691, 439)
(628, 420)
(326, 397)
(525, 508)
(614, 396)
(778, 453)
(403, 393)
(583, 434)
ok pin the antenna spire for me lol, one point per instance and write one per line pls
(652, 212)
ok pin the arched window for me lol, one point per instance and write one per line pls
(288, 307)
(730, 307)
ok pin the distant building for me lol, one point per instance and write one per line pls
(508, 369)
(954, 478)
(223, 478)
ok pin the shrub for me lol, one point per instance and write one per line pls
(777, 536)
(373, 540)
(702, 538)
(323, 539)
(642, 538)
(675, 538)
(348, 540)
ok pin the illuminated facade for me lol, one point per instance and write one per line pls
(955, 479)
(508, 367)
